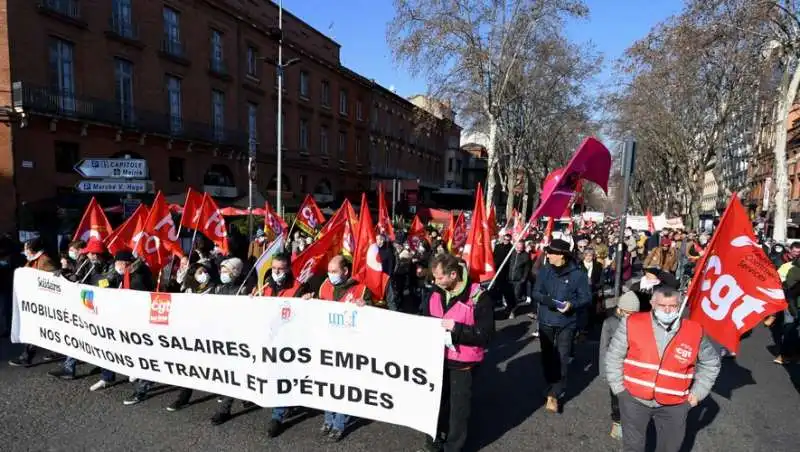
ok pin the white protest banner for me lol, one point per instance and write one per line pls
(363, 361)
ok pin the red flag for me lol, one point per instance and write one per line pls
(123, 237)
(448, 230)
(314, 259)
(94, 223)
(651, 225)
(273, 223)
(192, 209)
(458, 236)
(367, 267)
(548, 230)
(339, 215)
(416, 233)
(478, 249)
(736, 285)
(309, 217)
(351, 214)
(158, 240)
(492, 221)
(384, 225)
(212, 224)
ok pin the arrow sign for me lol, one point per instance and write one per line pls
(112, 168)
(114, 186)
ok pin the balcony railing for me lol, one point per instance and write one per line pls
(173, 47)
(58, 103)
(66, 8)
(123, 27)
(218, 67)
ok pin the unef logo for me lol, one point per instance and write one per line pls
(160, 304)
(346, 319)
(87, 298)
(286, 312)
(683, 352)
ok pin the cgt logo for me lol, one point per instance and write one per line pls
(346, 319)
(49, 286)
(160, 304)
(286, 312)
(87, 298)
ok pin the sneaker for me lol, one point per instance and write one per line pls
(220, 418)
(101, 384)
(511, 315)
(616, 431)
(778, 360)
(134, 399)
(220, 399)
(52, 357)
(335, 436)
(325, 430)
(62, 374)
(176, 406)
(19, 362)
(274, 428)
(552, 404)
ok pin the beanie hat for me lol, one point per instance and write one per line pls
(234, 265)
(628, 302)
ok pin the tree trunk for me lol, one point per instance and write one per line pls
(779, 151)
(510, 185)
(524, 207)
(491, 163)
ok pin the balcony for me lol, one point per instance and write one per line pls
(46, 101)
(68, 11)
(123, 30)
(174, 50)
(218, 68)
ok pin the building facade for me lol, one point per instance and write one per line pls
(190, 87)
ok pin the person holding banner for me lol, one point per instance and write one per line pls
(339, 286)
(35, 257)
(561, 290)
(74, 261)
(659, 366)
(467, 314)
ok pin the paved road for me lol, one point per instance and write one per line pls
(754, 407)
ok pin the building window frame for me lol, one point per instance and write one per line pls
(251, 57)
(123, 75)
(305, 85)
(217, 50)
(303, 130)
(325, 96)
(323, 140)
(62, 73)
(174, 103)
(218, 114)
(343, 102)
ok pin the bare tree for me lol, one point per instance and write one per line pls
(469, 49)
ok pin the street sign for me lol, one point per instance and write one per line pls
(112, 168)
(115, 186)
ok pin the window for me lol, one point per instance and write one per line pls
(450, 165)
(172, 32)
(252, 61)
(304, 134)
(66, 156)
(323, 141)
(252, 123)
(342, 149)
(216, 51)
(358, 149)
(326, 94)
(304, 79)
(343, 102)
(121, 16)
(218, 114)
(374, 120)
(359, 110)
(176, 169)
(123, 73)
(62, 73)
(174, 98)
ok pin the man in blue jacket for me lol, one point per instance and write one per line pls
(561, 290)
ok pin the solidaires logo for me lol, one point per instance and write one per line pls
(49, 286)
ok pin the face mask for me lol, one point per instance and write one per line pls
(202, 278)
(119, 270)
(335, 278)
(278, 277)
(703, 241)
(29, 256)
(777, 250)
(225, 278)
(73, 255)
(665, 317)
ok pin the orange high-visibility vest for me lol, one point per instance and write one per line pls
(354, 293)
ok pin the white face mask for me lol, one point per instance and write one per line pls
(335, 278)
(665, 317)
(278, 277)
(225, 278)
(201, 278)
(119, 270)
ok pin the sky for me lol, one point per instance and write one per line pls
(359, 26)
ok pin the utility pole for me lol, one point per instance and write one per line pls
(279, 182)
(627, 171)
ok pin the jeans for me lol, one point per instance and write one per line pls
(69, 365)
(455, 409)
(556, 343)
(107, 375)
(789, 335)
(615, 416)
(279, 414)
(142, 387)
(337, 421)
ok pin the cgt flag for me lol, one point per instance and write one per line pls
(94, 223)
(309, 218)
(736, 285)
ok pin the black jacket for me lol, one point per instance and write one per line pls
(500, 252)
(519, 266)
(386, 253)
(596, 279)
(479, 334)
(140, 278)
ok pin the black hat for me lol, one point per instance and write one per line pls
(124, 256)
(558, 246)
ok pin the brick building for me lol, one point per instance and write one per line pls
(189, 86)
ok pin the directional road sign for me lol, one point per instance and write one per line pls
(112, 168)
(115, 186)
